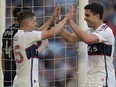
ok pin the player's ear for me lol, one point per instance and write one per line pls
(28, 23)
(97, 16)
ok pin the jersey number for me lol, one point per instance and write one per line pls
(8, 49)
(18, 56)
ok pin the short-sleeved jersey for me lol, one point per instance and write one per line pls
(9, 63)
(26, 57)
(97, 54)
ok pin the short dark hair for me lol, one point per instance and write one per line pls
(24, 15)
(18, 9)
(96, 8)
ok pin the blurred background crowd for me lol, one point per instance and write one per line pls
(58, 63)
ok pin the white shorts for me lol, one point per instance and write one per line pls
(95, 81)
(99, 81)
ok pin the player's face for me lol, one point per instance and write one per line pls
(33, 23)
(90, 18)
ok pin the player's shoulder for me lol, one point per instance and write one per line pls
(10, 31)
(105, 27)
(13, 27)
(105, 31)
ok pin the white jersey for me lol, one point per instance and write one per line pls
(26, 56)
(96, 74)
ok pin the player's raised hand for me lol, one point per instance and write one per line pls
(68, 15)
(57, 11)
(71, 12)
(57, 20)
(44, 44)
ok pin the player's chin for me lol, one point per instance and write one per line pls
(33, 28)
(89, 25)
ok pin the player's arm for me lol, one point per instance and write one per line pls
(44, 44)
(52, 18)
(82, 35)
(68, 36)
(56, 29)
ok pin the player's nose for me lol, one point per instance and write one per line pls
(36, 24)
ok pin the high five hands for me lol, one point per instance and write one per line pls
(69, 14)
(57, 11)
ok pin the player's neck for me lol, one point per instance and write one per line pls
(24, 28)
(98, 25)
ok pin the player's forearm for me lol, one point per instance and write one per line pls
(66, 35)
(54, 30)
(44, 44)
(82, 35)
(58, 27)
(77, 30)
(46, 25)
(40, 49)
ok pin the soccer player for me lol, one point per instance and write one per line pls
(100, 40)
(25, 47)
(7, 49)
